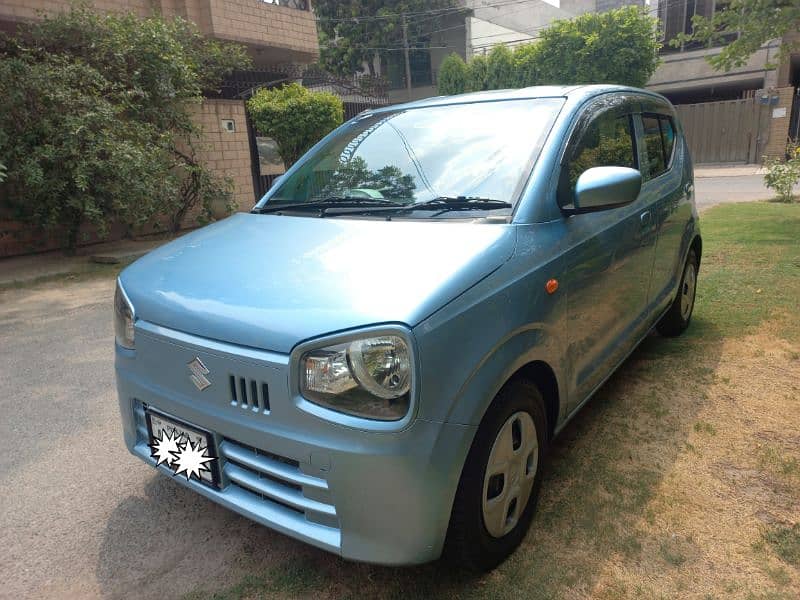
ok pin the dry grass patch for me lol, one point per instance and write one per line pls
(679, 480)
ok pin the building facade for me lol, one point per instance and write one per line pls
(686, 76)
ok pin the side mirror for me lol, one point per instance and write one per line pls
(600, 188)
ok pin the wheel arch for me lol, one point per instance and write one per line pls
(529, 354)
(697, 246)
(541, 374)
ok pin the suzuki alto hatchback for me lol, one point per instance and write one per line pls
(375, 358)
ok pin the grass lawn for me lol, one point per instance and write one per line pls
(680, 479)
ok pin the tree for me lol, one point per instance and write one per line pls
(478, 70)
(500, 66)
(453, 75)
(526, 65)
(354, 174)
(353, 32)
(744, 26)
(99, 111)
(294, 117)
(619, 46)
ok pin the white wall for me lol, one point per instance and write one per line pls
(512, 24)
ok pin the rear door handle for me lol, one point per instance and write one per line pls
(645, 217)
(688, 188)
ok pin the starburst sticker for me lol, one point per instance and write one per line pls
(180, 454)
(191, 459)
(165, 447)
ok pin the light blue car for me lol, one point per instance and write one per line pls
(380, 374)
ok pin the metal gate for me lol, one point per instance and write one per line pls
(728, 131)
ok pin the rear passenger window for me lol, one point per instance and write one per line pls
(659, 140)
(607, 142)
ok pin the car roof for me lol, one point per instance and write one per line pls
(572, 92)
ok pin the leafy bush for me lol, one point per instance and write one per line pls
(294, 117)
(453, 75)
(526, 65)
(500, 69)
(619, 46)
(478, 69)
(98, 108)
(784, 174)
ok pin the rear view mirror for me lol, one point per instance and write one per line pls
(600, 188)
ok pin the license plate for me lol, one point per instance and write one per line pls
(159, 424)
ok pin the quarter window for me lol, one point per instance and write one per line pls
(659, 140)
(607, 142)
(668, 137)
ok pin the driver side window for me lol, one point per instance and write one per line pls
(608, 141)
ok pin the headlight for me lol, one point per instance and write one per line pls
(123, 319)
(369, 377)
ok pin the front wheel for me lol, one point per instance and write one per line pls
(677, 318)
(500, 482)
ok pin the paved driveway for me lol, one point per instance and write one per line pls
(79, 516)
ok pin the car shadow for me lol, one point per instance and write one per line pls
(603, 470)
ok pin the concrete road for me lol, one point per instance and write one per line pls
(79, 516)
(710, 191)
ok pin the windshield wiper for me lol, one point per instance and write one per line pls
(440, 205)
(459, 203)
(331, 201)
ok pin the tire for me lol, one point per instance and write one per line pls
(474, 542)
(677, 318)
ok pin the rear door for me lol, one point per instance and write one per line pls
(609, 254)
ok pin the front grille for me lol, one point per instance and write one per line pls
(249, 394)
(278, 479)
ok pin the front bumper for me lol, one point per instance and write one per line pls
(381, 497)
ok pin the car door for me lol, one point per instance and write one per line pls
(608, 254)
(671, 189)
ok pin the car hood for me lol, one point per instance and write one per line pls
(270, 282)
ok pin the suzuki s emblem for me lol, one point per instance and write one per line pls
(199, 372)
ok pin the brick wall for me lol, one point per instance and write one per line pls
(253, 21)
(779, 127)
(227, 153)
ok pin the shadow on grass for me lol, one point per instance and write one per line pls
(604, 469)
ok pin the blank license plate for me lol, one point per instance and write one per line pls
(159, 423)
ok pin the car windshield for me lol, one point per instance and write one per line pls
(481, 150)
